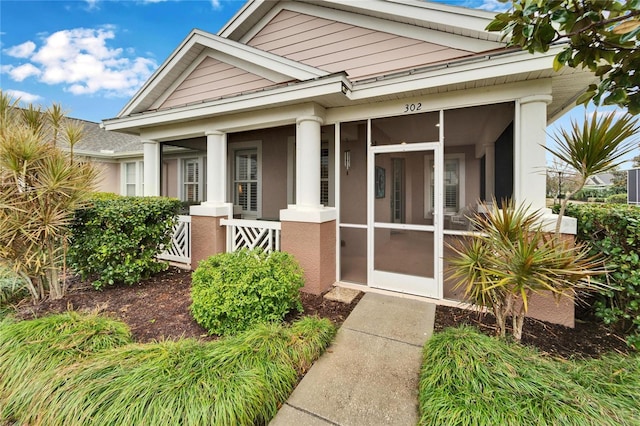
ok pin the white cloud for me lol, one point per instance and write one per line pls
(23, 50)
(21, 72)
(216, 4)
(24, 96)
(82, 60)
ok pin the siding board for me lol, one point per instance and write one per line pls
(213, 79)
(335, 46)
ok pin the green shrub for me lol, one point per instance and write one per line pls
(239, 380)
(468, 378)
(617, 199)
(614, 231)
(118, 239)
(233, 291)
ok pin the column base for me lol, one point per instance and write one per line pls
(314, 247)
(208, 236)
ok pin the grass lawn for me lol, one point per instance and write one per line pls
(468, 378)
(73, 369)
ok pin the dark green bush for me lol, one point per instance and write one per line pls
(233, 291)
(614, 231)
(118, 239)
(617, 199)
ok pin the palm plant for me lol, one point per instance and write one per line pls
(596, 146)
(39, 191)
(512, 259)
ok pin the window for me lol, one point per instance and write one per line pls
(324, 176)
(191, 180)
(245, 181)
(453, 183)
(133, 174)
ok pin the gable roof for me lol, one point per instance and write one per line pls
(195, 48)
(468, 23)
(335, 53)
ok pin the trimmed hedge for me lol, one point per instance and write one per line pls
(118, 239)
(231, 292)
(613, 230)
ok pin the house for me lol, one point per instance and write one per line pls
(363, 132)
(117, 156)
(599, 181)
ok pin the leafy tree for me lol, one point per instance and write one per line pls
(601, 35)
(596, 146)
(40, 188)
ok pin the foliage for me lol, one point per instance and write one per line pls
(617, 199)
(614, 231)
(239, 380)
(471, 379)
(13, 287)
(601, 35)
(588, 193)
(40, 188)
(514, 258)
(118, 239)
(595, 147)
(233, 291)
(33, 352)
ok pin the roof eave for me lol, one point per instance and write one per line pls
(294, 93)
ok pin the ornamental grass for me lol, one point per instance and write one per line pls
(468, 378)
(239, 380)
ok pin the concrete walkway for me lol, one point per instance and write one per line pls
(369, 375)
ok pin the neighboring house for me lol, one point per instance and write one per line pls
(367, 130)
(118, 156)
(599, 181)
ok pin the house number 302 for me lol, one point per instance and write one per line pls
(412, 107)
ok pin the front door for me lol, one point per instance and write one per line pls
(404, 225)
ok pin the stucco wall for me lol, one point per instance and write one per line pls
(108, 177)
(316, 252)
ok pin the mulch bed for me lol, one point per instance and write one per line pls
(158, 308)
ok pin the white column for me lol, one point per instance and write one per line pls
(151, 153)
(216, 167)
(530, 155)
(308, 162)
(308, 144)
(489, 171)
(216, 204)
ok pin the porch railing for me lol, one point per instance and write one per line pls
(252, 234)
(180, 249)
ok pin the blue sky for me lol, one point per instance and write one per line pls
(92, 55)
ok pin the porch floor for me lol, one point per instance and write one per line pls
(369, 375)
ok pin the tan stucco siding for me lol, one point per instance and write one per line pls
(108, 177)
(213, 79)
(334, 46)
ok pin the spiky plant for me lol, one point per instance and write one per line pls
(512, 259)
(39, 191)
(596, 146)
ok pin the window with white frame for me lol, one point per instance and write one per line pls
(192, 180)
(132, 182)
(245, 181)
(453, 183)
